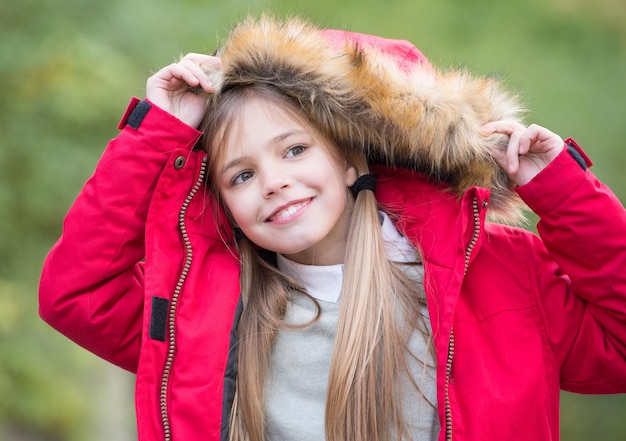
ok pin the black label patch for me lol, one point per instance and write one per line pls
(158, 318)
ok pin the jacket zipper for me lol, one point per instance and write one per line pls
(468, 255)
(171, 320)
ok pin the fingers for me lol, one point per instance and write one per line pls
(175, 88)
(190, 71)
(518, 142)
(529, 150)
(528, 138)
(513, 151)
(203, 59)
(504, 126)
(199, 65)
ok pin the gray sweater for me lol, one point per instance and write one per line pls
(296, 384)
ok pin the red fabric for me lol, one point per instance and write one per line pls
(529, 316)
(522, 328)
(403, 52)
(100, 295)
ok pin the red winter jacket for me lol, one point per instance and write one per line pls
(144, 275)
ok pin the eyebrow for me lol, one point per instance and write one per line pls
(277, 139)
(287, 134)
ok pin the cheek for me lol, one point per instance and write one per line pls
(235, 207)
(337, 194)
(340, 179)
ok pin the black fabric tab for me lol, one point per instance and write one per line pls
(158, 318)
(138, 114)
(577, 156)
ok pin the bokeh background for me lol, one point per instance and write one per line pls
(69, 67)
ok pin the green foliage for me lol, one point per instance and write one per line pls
(38, 393)
(69, 67)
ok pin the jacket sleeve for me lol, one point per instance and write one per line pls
(91, 288)
(581, 272)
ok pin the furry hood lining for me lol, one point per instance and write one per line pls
(381, 96)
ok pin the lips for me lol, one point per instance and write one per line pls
(286, 212)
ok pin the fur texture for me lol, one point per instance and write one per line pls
(411, 116)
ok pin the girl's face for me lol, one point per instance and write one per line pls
(285, 186)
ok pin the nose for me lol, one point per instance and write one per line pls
(274, 181)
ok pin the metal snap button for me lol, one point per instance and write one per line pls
(179, 162)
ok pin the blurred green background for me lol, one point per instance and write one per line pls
(69, 67)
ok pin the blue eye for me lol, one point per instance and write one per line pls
(294, 151)
(242, 177)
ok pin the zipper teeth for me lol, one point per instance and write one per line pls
(468, 255)
(171, 320)
(475, 233)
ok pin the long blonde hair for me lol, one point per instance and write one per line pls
(380, 306)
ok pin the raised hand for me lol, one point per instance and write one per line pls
(529, 151)
(171, 87)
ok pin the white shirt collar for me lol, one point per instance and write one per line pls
(324, 282)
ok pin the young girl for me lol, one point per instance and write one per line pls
(316, 261)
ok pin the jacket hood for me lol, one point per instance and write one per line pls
(381, 96)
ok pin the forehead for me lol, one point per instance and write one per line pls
(262, 113)
(261, 121)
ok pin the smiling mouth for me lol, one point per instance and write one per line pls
(287, 212)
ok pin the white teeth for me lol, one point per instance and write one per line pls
(287, 211)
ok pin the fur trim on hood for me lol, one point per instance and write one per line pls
(364, 93)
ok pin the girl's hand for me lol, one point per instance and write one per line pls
(529, 151)
(170, 87)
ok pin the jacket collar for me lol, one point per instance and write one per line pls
(447, 229)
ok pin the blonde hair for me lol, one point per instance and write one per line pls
(380, 306)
